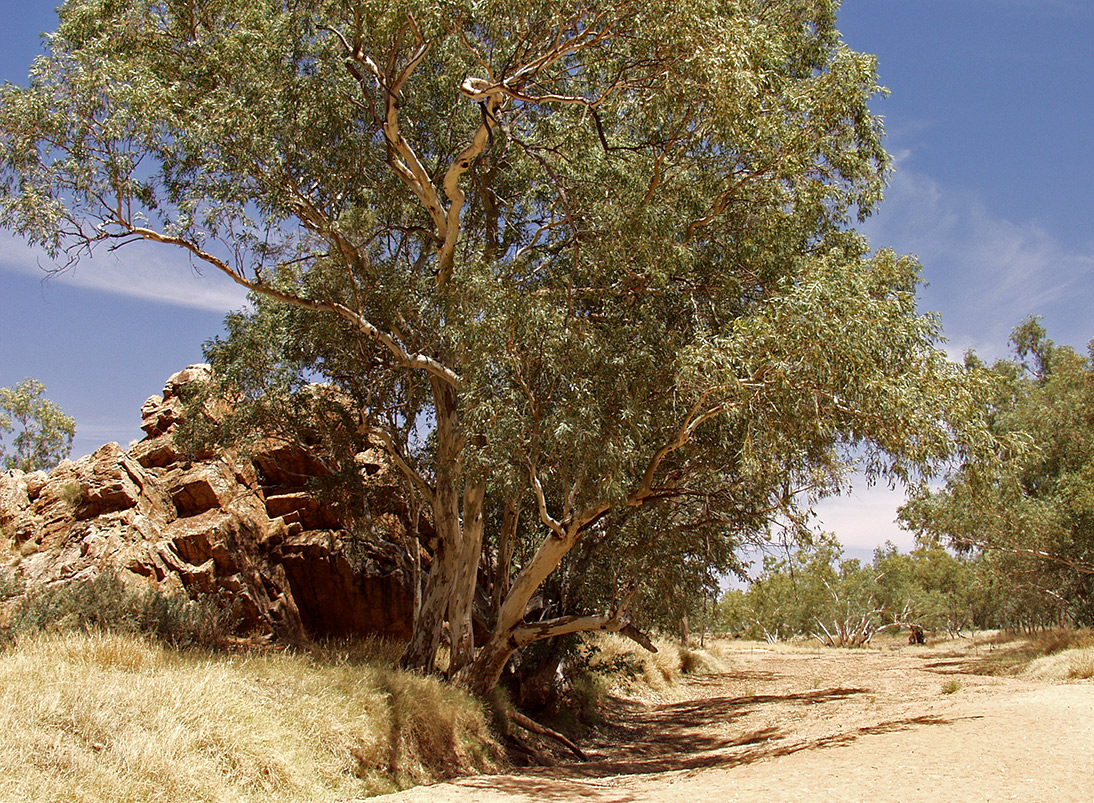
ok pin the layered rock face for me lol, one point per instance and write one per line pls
(244, 530)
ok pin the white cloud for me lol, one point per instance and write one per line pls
(865, 518)
(985, 272)
(139, 270)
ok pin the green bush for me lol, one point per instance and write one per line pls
(105, 604)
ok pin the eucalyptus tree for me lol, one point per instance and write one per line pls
(602, 251)
(1030, 511)
(43, 433)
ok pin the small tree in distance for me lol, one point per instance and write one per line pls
(44, 433)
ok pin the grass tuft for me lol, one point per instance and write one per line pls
(621, 665)
(1069, 664)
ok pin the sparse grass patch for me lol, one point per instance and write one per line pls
(114, 717)
(951, 686)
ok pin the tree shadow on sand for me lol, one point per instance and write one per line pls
(678, 736)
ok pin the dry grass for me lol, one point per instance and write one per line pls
(1070, 664)
(652, 674)
(1057, 654)
(114, 718)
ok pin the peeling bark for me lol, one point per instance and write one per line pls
(463, 593)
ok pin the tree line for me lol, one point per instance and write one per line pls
(817, 593)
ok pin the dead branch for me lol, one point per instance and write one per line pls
(534, 727)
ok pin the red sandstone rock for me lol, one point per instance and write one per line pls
(247, 530)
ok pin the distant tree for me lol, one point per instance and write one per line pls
(931, 588)
(43, 432)
(790, 595)
(1030, 510)
(816, 592)
(585, 271)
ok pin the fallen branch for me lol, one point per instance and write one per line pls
(542, 730)
(634, 634)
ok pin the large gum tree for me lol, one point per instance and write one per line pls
(602, 251)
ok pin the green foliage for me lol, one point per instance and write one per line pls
(816, 593)
(593, 261)
(106, 604)
(11, 585)
(1029, 511)
(44, 433)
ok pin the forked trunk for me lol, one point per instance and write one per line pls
(482, 675)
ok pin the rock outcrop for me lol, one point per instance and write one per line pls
(246, 530)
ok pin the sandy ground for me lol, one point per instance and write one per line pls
(837, 725)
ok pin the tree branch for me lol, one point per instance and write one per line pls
(460, 165)
(533, 726)
(618, 621)
(417, 361)
(389, 446)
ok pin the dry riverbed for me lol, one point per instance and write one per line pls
(901, 723)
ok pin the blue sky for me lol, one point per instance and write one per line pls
(989, 120)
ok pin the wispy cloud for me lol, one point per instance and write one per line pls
(139, 270)
(90, 435)
(985, 272)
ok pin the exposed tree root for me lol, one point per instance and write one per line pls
(534, 727)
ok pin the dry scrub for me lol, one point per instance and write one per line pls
(1066, 655)
(107, 717)
(628, 669)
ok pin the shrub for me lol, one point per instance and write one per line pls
(11, 585)
(106, 604)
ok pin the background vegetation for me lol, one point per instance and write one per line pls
(43, 433)
(1026, 513)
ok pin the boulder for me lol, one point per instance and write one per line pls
(244, 530)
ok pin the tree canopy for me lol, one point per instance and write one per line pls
(585, 271)
(43, 432)
(1030, 511)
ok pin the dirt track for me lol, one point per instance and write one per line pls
(828, 725)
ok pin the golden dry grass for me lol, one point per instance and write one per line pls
(106, 717)
(1072, 664)
(653, 674)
